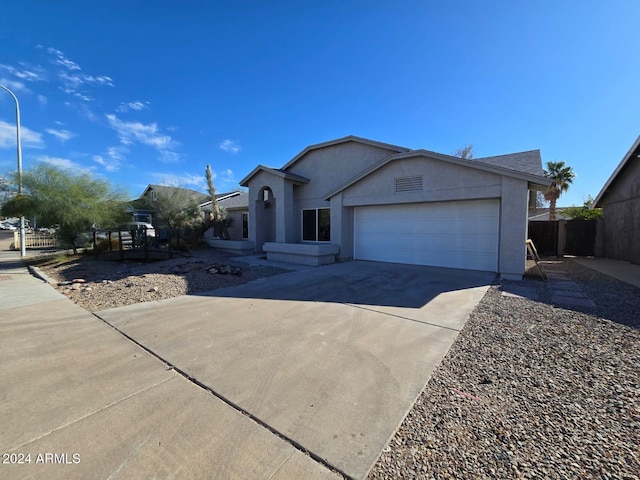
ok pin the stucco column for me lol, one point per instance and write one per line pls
(283, 194)
(286, 206)
(513, 228)
(341, 221)
(252, 215)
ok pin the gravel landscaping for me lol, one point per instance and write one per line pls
(532, 388)
(100, 284)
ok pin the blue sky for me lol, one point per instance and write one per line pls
(143, 92)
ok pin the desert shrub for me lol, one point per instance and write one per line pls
(179, 244)
(103, 245)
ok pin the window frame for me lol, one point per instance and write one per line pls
(316, 224)
(245, 215)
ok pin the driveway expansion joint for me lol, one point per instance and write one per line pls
(90, 414)
(402, 317)
(231, 404)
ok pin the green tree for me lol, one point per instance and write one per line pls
(585, 212)
(73, 201)
(5, 190)
(562, 176)
(177, 209)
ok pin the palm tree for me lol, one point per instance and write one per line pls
(562, 177)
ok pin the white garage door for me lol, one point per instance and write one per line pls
(462, 234)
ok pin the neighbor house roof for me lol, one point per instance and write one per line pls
(535, 181)
(165, 190)
(542, 215)
(632, 154)
(278, 172)
(527, 162)
(338, 141)
(231, 200)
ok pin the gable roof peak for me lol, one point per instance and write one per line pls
(338, 141)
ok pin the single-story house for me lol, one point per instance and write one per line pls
(354, 198)
(142, 209)
(620, 203)
(236, 206)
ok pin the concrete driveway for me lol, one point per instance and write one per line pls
(330, 358)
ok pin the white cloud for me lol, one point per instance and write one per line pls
(14, 85)
(137, 105)
(73, 79)
(109, 165)
(26, 75)
(112, 158)
(186, 180)
(28, 138)
(62, 135)
(148, 134)
(117, 152)
(42, 99)
(62, 60)
(230, 146)
(167, 156)
(64, 163)
(83, 109)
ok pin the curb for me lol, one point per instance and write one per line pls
(36, 272)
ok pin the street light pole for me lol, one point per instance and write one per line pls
(23, 247)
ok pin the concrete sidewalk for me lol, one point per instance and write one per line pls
(623, 271)
(80, 400)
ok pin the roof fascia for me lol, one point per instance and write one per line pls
(278, 173)
(616, 172)
(221, 197)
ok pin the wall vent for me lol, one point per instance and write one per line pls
(409, 184)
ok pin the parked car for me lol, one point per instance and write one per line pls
(7, 226)
(147, 227)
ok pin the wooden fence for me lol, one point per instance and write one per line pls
(36, 240)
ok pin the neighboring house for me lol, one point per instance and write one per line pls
(354, 198)
(142, 209)
(236, 204)
(542, 215)
(620, 203)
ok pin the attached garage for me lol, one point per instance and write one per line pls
(455, 234)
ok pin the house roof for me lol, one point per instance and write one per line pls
(495, 165)
(165, 190)
(338, 141)
(542, 215)
(633, 153)
(527, 162)
(278, 172)
(231, 200)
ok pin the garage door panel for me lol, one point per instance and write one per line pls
(450, 234)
